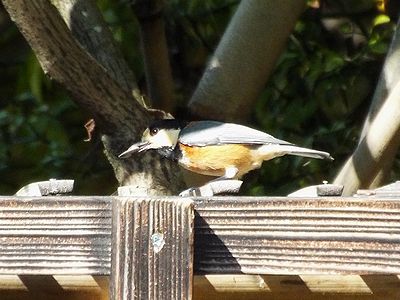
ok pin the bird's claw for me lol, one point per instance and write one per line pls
(191, 192)
(213, 188)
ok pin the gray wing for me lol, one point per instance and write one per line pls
(204, 133)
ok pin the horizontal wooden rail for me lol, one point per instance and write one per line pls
(72, 235)
(297, 236)
(55, 235)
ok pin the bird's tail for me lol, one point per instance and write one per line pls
(305, 152)
(271, 151)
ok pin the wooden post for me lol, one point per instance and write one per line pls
(152, 249)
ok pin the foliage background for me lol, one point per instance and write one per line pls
(317, 97)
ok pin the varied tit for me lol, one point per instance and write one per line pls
(214, 148)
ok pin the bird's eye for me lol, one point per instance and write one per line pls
(153, 131)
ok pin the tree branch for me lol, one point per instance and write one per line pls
(121, 119)
(244, 59)
(159, 80)
(87, 25)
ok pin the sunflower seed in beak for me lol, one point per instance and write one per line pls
(138, 147)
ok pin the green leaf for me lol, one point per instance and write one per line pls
(381, 19)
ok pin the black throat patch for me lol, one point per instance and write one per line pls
(170, 153)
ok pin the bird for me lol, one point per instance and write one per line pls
(213, 148)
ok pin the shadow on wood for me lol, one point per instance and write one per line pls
(288, 287)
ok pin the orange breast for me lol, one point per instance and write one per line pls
(212, 160)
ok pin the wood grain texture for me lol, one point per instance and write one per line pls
(55, 235)
(141, 268)
(297, 236)
(72, 235)
(289, 287)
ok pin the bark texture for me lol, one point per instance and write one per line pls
(244, 59)
(87, 25)
(120, 118)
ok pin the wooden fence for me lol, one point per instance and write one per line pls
(244, 247)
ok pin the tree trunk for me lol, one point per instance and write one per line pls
(87, 25)
(120, 118)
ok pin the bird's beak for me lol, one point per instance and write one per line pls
(138, 147)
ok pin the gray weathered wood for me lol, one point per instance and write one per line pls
(213, 188)
(297, 236)
(55, 235)
(46, 188)
(388, 191)
(72, 235)
(152, 249)
(320, 190)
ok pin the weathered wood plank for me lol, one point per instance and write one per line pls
(288, 287)
(388, 191)
(55, 235)
(297, 236)
(152, 249)
(57, 287)
(72, 235)
(236, 286)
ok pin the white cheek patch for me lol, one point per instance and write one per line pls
(165, 138)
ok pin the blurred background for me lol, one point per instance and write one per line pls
(317, 97)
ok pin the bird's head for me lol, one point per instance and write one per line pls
(160, 134)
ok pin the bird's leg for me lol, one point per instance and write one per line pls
(230, 173)
(213, 187)
(191, 192)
